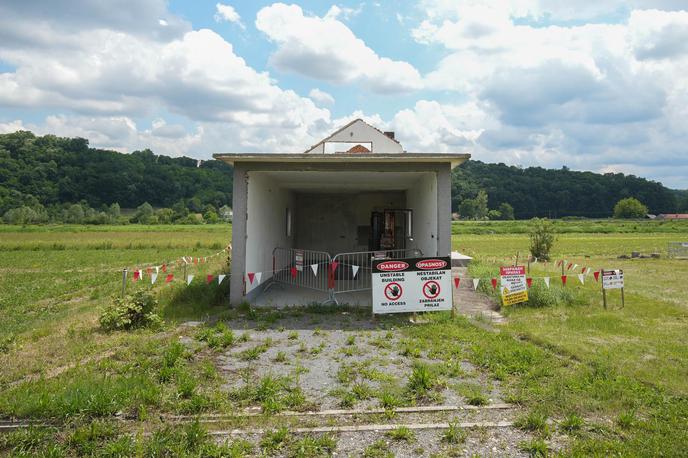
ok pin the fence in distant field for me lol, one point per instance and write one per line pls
(678, 250)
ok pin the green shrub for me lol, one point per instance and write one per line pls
(131, 312)
(541, 296)
(541, 238)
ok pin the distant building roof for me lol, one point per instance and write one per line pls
(359, 149)
(672, 216)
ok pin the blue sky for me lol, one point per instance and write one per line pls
(591, 85)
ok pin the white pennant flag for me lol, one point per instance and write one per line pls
(220, 278)
(258, 276)
(154, 277)
(546, 279)
(535, 261)
(157, 270)
(354, 270)
(314, 268)
(475, 283)
(581, 277)
(141, 274)
(574, 266)
(188, 279)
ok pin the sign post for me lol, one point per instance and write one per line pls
(513, 285)
(612, 279)
(412, 285)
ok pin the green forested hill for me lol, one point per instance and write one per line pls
(535, 191)
(56, 170)
(53, 171)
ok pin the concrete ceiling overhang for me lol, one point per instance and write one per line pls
(306, 181)
(455, 159)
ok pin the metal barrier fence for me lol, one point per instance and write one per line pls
(286, 259)
(678, 250)
(354, 270)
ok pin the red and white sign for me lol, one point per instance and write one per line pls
(612, 279)
(411, 285)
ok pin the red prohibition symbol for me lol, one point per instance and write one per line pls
(431, 289)
(393, 291)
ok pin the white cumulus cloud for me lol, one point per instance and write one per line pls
(227, 13)
(324, 48)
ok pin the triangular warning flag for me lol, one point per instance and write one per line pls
(574, 266)
(195, 260)
(581, 278)
(259, 275)
(164, 267)
(189, 279)
(169, 278)
(534, 260)
(210, 278)
(546, 280)
(475, 283)
(251, 276)
(333, 266)
(157, 270)
(220, 278)
(563, 280)
(457, 280)
(559, 262)
(137, 275)
(569, 266)
(293, 272)
(494, 283)
(529, 282)
(597, 275)
(153, 278)
(314, 268)
(354, 271)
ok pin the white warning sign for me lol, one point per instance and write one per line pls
(412, 285)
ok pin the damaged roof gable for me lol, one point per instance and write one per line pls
(359, 132)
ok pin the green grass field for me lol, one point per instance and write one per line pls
(624, 372)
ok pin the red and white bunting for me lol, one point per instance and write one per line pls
(546, 280)
(251, 276)
(574, 266)
(137, 275)
(169, 278)
(220, 278)
(475, 283)
(529, 282)
(189, 279)
(581, 278)
(154, 277)
(596, 274)
(293, 272)
(494, 283)
(314, 268)
(457, 281)
(209, 278)
(354, 271)
(259, 275)
(563, 279)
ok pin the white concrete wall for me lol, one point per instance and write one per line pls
(266, 224)
(422, 199)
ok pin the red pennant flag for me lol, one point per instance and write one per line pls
(149, 270)
(597, 275)
(457, 280)
(293, 272)
(251, 276)
(195, 260)
(583, 270)
(559, 262)
(333, 266)
(169, 278)
(529, 282)
(210, 278)
(569, 266)
(494, 283)
(137, 275)
(563, 280)
(164, 267)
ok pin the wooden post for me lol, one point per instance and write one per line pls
(528, 264)
(604, 291)
(623, 304)
(517, 254)
(124, 282)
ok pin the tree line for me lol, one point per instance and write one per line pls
(56, 179)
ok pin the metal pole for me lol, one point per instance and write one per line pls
(124, 281)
